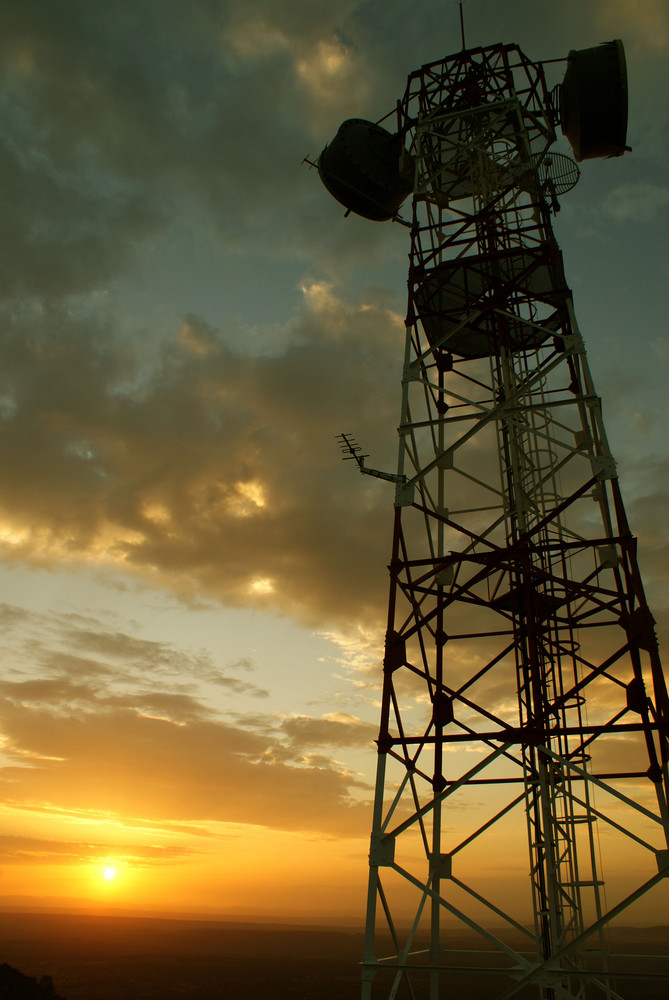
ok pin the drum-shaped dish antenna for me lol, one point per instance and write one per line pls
(362, 169)
(593, 101)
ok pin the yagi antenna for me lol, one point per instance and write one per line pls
(351, 449)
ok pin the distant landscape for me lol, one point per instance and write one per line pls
(107, 958)
(145, 958)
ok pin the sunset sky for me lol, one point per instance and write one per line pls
(193, 585)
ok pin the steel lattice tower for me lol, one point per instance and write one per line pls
(520, 652)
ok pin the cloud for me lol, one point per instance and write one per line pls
(637, 201)
(644, 22)
(336, 729)
(117, 122)
(158, 770)
(660, 348)
(130, 735)
(172, 452)
(163, 448)
(208, 471)
(83, 656)
(39, 851)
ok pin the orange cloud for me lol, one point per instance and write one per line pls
(102, 733)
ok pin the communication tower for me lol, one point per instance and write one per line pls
(522, 685)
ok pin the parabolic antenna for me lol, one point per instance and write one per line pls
(361, 168)
(557, 173)
(593, 101)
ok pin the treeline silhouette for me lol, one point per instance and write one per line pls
(14, 985)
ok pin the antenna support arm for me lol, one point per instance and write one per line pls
(352, 450)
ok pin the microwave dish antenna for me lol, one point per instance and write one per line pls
(593, 101)
(363, 169)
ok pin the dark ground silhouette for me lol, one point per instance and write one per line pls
(133, 958)
(109, 958)
(15, 986)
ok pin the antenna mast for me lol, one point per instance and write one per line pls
(525, 718)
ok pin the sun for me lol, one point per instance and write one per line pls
(109, 874)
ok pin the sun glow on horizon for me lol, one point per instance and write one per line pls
(109, 873)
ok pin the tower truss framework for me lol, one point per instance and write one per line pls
(525, 717)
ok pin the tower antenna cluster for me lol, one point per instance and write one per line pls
(524, 731)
